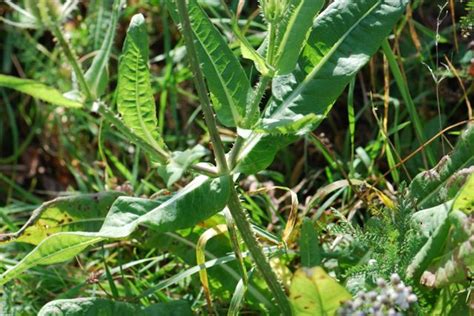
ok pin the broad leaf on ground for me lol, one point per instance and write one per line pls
(447, 229)
(107, 307)
(85, 212)
(198, 201)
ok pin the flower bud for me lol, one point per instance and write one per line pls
(50, 11)
(273, 10)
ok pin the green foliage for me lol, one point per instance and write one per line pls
(198, 201)
(179, 162)
(314, 292)
(332, 56)
(330, 59)
(104, 307)
(447, 232)
(387, 243)
(96, 75)
(310, 251)
(306, 60)
(226, 79)
(135, 99)
(295, 31)
(260, 153)
(443, 182)
(38, 90)
(467, 21)
(67, 214)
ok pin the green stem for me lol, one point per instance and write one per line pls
(234, 206)
(201, 89)
(255, 250)
(251, 112)
(271, 43)
(234, 152)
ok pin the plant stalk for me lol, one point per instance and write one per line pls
(233, 204)
(209, 117)
(256, 252)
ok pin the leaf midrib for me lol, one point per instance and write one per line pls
(137, 104)
(236, 116)
(296, 92)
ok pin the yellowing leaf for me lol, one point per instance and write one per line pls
(314, 292)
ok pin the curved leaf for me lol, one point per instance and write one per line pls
(338, 46)
(199, 200)
(295, 32)
(260, 151)
(96, 76)
(225, 77)
(336, 49)
(106, 307)
(37, 90)
(84, 212)
(444, 181)
(135, 98)
(445, 227)
(179, 162)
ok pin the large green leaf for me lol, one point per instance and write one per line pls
(314, 292)
(37, 90)
(446, 230)
(226, 79)
(134, 97)
(85, 212)
(443, 182)
(199, 200)
(295, 32)
(106, 307)
(96, 76)
(343, 38)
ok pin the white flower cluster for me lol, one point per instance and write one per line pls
(387, 299)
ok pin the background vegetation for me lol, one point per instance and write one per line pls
(350, 178)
